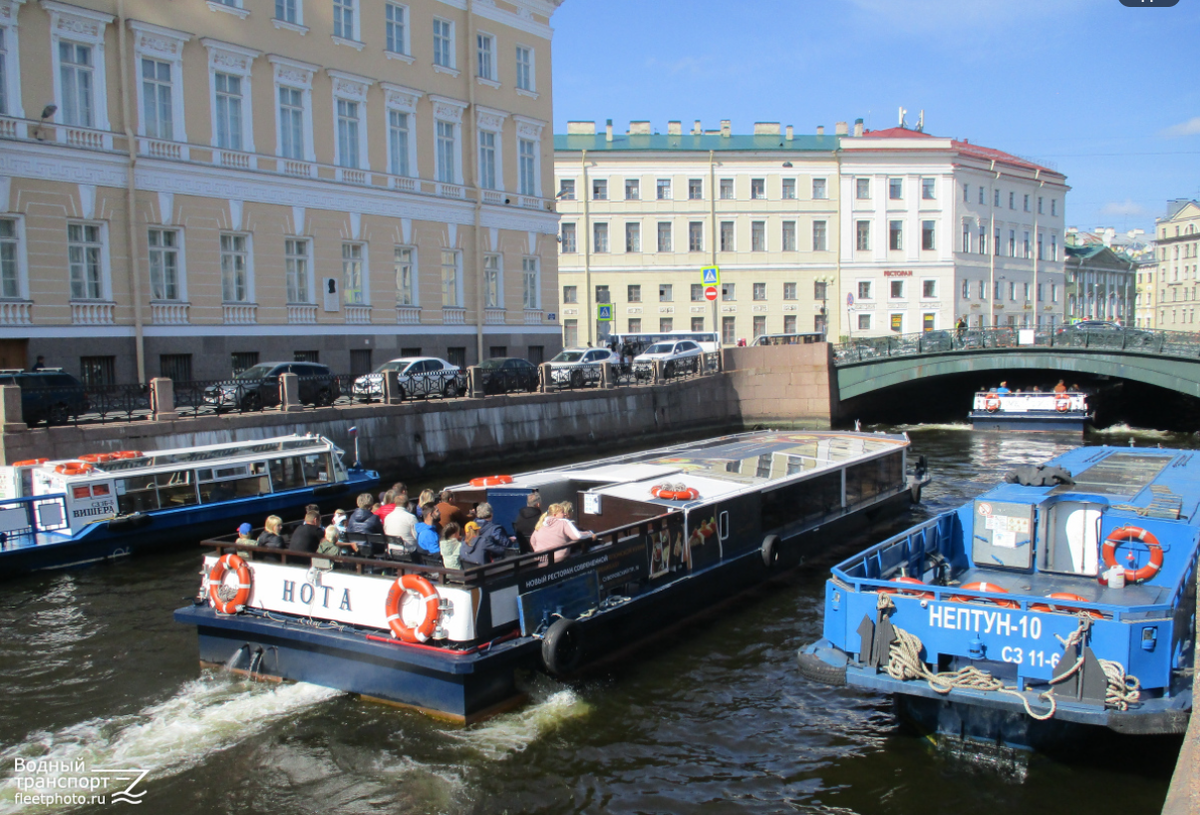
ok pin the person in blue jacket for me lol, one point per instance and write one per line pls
(428, 540)
(491, 542)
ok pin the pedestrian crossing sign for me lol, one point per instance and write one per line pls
(711, 275)
(604, 312)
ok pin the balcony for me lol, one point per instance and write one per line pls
(529, 202)
(358, 314)
(454, 316)
(16, 312)
(158, 148)
(303, 169)
(349, 175)
(449, 190)
(240, 313)
(494, 316)
(408, 315)
(12, 128)
(534, 316)
(169, 313)
(230, 158)
(92, 313)
(301, 314)
(85, 137)
(493, 197)
(403, 183)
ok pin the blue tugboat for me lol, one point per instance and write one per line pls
(56, 514)
(1059, 602)
(675, 531)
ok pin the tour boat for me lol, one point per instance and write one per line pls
(675, 530)
(1056, 604)
(1031, 411)
(55, 514)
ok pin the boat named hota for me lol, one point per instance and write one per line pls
(1057, 411)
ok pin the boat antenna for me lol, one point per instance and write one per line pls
(354, 434)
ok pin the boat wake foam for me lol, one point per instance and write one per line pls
(551, 705)
(206, 715)
(1123, 429)
(911, 428)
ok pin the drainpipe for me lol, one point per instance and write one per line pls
(135, 277)
(995, 247)
(480, 283)
(587, 254)
(837, 306)
(1036, 245)
(713, 236)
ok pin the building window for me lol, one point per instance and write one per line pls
(633, 190)
(286, 10)
(728, 291)
(450, 279)
(1054, 247)
(360, 359)
(395, 29)
(1039, 246)
(527, 166)
(929, 289)
(789, 323)
(1025, 245)
(928, 190)
(983, 249)
(982, 195)
(966, 290)
(758, 236)
(446, 165)
(164, 264)
(820, 236)
(570, 333)
(998, 293)
(982, 290)
(1012, 200)
(1054, 206)
(820, 190)
(243, 361)
(599, 237)
(665, 293)
(695, 236)
(566, 189)
(568, 239)
(820, 290)
(895, 235)
(1041, 200)
(570, 294)
(235, 282)
(966, 193)
(524, 68)
(789, 236)
(635, 325)
(927, 242)
(398, 142)
(862, 189)
(996, 198)
(633, 236)
(897, 323)
(295, 255)
(1012, 243)
(156, 99)
(3, 73)
(1026, 206)
(759, 291)
(306, 356)
(487, 159)
(789, 189)
(864, 290)
(633, 293)
(176, 367)
(1012, 291)
(789, 291)
(728, 330)
(864, 322)
(726, 189)
(697, 293)
(599, 189)
(896, 289)
(10, 280)
(966, 236)
(485, 55)
(666, 325)
(726, 236)
(98, 372)
(1053, 292)
(695, 189)
(353, 274)
(229, 111)
(664, 189)
(75, 77)
(664, 236)
(343, 19)
(347, 133)
(85, 251)
(760, 327)
(862, 235)
(443, 43)
(895, 189)
(758, 188)
(697, 323)
(491, 281)
(406, 290)
(291, 123)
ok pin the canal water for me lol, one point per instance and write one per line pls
(711, 718)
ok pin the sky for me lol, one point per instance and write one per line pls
(1107, 95)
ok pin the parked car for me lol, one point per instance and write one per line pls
(504, 374)
(258, 386)
(50, 395)
(575, 366)
(1103, 328)
(676, 356)
(419, 376)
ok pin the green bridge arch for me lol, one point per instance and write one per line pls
(1171, 372)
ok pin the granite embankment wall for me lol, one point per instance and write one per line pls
(787, 385)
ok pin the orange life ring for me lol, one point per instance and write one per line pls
(491, 481)
(423, 630)
(985, 587)
(124, 454)
(992, 404)
(30, 462)
(686, 494)
(908, 592)
(74, 468)
(1062, 403)
(1066, 595)
(216, 579)
(1133, 533)
(96, 458)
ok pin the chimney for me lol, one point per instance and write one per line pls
(696, 131)
(608, 130)
(639, 128)
(581, 128)
(841, 129)
(858, 127)
(766, 128)
(820, 130)
(674, 128)
(789, 132)
(725, 128)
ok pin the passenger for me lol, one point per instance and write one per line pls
(402, 524)
(307, 537)
(362, 520)
(1035, 389)
(1075, 389)
(557, 530)
(270, 537)
(329, 548)
(1060, 387)
(1003, 389)
(490, 544)
(448, 513)
(427, 497)
(427, 536)
(244, 539)
(527, 521)
(386, 506)
(471, 530)
(339, 520)
(451, 545)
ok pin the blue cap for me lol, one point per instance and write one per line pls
(244, 529)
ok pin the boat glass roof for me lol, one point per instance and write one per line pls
(1121, 473)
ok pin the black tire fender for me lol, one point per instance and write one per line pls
(770, 551)
(915, 492)
(562, 647)
(814, 668)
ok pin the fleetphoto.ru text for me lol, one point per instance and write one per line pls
(51, 782)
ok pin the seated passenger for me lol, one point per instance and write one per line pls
(401, 524)
(1060, 387)
(491, 542)
(527, 521)
(557, 530)
(307, 537)
(339, 520)
(386, 505)
(451, 545)
(271, 537)
(448, 513)
(427, 536)
(328, 548)
(1003, 389)
(244, 539)
(362, 519)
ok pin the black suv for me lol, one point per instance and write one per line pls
(258, 387)
(49, 395)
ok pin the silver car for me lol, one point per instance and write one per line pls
(575, 366)
(676, 357)
(419, 376)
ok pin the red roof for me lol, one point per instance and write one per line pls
(964, 148)
(895, 133)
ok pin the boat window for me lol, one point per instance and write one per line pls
(176, 489)
(215, 492)
(1072, 538)
(869, 479)
(136, 494)
(764, 466)
(286, 473)
(806, 500)
(316, 469)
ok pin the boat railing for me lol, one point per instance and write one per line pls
(21, 519)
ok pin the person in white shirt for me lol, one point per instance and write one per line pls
(402, 524)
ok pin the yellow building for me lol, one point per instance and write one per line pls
(189, 187)
(643, 212)
(1168, 296)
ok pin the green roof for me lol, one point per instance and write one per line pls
(698, 144)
